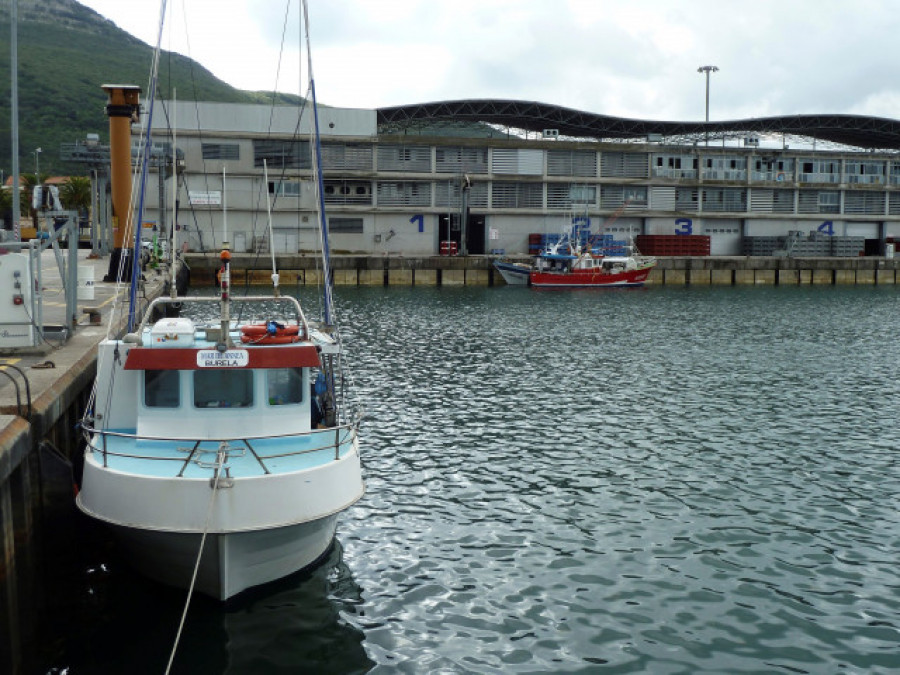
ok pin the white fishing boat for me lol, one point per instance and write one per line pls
(230, 432)
(222, 450)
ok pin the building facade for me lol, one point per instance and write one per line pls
(248, 176)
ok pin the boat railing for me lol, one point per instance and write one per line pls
(331, 438)
(164, 300)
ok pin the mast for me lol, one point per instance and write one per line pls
(14, 77)
(323, 221)
(145, 159)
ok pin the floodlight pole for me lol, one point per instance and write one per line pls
(707, 70)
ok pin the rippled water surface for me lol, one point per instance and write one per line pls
(664, 480)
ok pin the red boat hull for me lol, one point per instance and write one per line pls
(589, 279)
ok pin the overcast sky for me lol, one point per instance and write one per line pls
(636, 58)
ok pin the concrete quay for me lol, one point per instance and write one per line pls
(395, 270)
(43, 392)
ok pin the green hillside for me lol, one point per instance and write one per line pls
(66, 52)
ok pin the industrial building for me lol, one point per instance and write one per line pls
(481, 177)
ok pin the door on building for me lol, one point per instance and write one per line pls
(475, 236)
(285, 241)
(449, 230)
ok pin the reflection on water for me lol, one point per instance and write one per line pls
(669, 480)
(120, 622)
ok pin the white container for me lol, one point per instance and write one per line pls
(85, 282)
(888, 251)
(174, 332)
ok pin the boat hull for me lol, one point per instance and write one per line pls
(259, 528)
(514, 274)
(231, 562)
(589, 279)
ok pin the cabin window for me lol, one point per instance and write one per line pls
(223, 388)
(285, 385)
(161, 389)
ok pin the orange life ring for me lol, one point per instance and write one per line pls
(258, 333)
(270, 339)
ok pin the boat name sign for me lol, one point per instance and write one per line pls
(212, 358)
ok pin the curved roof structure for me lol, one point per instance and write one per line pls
(854, 131)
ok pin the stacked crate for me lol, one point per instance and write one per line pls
(607, 244)
(815, 246)
(761, 246)
(673, 244)
(848, 247)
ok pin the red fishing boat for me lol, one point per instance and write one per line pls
(583, 268)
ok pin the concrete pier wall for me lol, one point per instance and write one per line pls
(351, 270)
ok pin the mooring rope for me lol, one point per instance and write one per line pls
(220, 461)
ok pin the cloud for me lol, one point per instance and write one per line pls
(630, 59)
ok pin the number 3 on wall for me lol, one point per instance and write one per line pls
(684, 226)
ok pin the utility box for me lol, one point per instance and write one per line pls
(17, 321)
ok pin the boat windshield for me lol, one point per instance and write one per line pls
(285, 386)
(224, 388)
(220, 388)
(161, 389)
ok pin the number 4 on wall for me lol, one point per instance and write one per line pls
(827, 228)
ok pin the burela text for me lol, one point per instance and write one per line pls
(212, 358)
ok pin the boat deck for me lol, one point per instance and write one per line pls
(251, 457)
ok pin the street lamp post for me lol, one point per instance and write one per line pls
(707, 70)
(37, 166)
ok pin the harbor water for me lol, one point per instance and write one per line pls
(663, 480)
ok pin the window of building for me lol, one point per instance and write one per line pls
(282, 154)
(829, 202)
(345, 225)
(221, 150)
(284, 188)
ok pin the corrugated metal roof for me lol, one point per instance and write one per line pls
(858, 131)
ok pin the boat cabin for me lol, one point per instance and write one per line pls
(179, 383)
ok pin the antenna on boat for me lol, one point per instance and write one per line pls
(225, 281)
(271, 234)
(173, 285)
